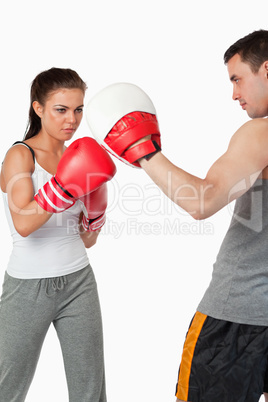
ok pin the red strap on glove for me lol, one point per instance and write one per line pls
(53, 198)
(91, 225)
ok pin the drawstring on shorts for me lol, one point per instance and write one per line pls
(57, 284)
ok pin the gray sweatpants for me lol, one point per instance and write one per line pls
(27, 308)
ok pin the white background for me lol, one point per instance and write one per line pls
(151, 275)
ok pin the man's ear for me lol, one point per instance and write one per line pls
(265, 64)
(39, 108)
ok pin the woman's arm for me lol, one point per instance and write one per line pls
(16, 181)
(89, 238)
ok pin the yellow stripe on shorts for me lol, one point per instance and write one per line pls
(187, 355)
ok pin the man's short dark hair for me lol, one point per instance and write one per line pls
(253, 49)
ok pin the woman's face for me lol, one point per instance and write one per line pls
(62, 113)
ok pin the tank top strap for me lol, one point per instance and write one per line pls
(26, 145)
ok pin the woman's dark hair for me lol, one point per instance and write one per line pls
(253, 49)
(43, 85)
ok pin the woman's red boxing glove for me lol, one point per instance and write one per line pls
(83, 168)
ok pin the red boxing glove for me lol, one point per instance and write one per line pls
(119, 116)
(83, 168)
(94, 206)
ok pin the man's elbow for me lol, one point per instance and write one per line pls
(201, 213)
(198, 216)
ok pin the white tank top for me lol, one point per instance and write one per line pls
(55, 249)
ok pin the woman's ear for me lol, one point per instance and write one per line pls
(37, 108)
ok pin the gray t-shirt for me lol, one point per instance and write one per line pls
(238, 291)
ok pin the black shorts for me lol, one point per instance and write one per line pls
(223, 362)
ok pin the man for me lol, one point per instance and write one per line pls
(226, 349)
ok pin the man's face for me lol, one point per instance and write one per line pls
(250, 89)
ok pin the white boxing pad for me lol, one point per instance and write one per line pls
(112, 103)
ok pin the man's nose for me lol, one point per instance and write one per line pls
(236, 94)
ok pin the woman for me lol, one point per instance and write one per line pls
(48, 278)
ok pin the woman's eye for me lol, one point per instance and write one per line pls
(61, 110)
(79, 110)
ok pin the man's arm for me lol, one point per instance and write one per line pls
(227, 179)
